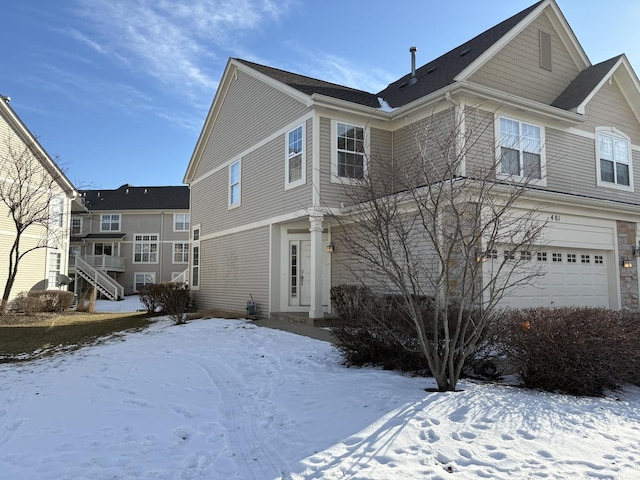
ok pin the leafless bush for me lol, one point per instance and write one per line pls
(579, 351)
(43, 301)
(170, 298)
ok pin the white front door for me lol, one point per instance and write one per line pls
(299, 273)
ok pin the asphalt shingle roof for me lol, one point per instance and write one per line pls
(128, 197)
(586, 81)
(310, 85)
(431, 77)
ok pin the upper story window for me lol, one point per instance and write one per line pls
(145, 248)
(295, 171)
(520, 150)
(613, 153)
(234, 184)
(180, 222)
(110, 222)
(181, 252)
(349, 161)
(57, 211)
(76, 225)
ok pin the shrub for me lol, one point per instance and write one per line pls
(170, 298)
(375, 330)
(579, 351)
(151, 296)
(36, 301)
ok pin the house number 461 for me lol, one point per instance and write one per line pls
(554, 218)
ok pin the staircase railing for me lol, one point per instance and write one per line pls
(182, 278)
(100, 280)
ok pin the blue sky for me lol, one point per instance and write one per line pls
(118, 90)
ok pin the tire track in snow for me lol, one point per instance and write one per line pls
(10, 407)
(246, 439)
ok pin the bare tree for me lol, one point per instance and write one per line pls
(445, 232)
(33, 201)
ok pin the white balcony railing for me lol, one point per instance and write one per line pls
(102, 262)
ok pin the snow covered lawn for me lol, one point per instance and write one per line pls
(225, 399)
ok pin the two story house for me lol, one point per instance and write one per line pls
(277, 150)
(131, 236)
(34, 183)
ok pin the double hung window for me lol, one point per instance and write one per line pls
(614, 158)
(110, 222)
(520, 149)
(350, 155)
(295, 170)
(145, 248)
(234, 184)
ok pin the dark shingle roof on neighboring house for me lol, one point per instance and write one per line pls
(128, 197)
(309, 86)
(582, 86)
(441, 72)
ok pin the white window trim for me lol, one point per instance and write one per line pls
(188, 222)
(119, 222)
(52, 284)
(135, 242)
(229, 185)
(542, 182)
(81, 225)
(334, 153)
(173, 252)
(195, 244)
(56, 211)
(614, 132)
(135, 274)
(303, 179)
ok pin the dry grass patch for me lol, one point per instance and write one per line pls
(26, 337)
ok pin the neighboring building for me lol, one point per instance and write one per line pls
(128, 237)
(38, 269)
(277, 149)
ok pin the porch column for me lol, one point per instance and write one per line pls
(316, 266)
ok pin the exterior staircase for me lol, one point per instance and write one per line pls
(100, 280)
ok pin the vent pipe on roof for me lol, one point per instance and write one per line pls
(413, 78)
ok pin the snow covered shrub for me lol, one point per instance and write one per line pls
(579, 351)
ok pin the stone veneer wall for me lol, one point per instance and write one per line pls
(628, 276)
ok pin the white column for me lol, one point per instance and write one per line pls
(317, 265)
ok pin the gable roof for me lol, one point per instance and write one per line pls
(443, 70)
(584, 84)
(128, 197)
(309, 86)
(430, 77)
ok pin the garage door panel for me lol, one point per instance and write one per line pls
(565, 283)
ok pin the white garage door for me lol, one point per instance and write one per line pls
(572, 278)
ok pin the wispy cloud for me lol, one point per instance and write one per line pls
(178, 43)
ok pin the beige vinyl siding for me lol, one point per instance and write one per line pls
(251, 111)
(231, 268)
(571, 167)
(480, 143)
(380, 145)
(516, 68)
(263, 193)
(609, 108)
